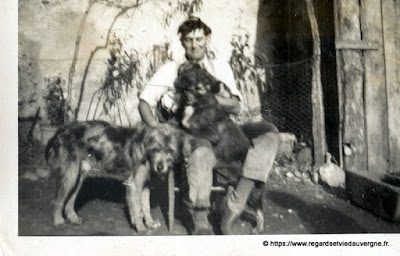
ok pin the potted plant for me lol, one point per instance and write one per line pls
(56, 107)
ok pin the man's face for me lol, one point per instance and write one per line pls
(195, 44)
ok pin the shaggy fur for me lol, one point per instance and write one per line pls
(97, 148)
(200, 115)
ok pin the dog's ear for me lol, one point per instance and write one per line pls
(173, 146)
(165, 129)
(137, 153)
(171, 136)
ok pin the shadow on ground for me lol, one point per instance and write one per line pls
(317, 218)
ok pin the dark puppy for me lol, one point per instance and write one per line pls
(97, 148)
(200, 114)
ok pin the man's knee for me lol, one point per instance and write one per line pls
(268, 141)
(272, 128)
(256, 129)
(264, 136)
(260, 158)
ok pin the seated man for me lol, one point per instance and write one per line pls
(195, 36)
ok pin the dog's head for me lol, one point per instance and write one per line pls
(162, 148)
(196, 89)
(194, 83)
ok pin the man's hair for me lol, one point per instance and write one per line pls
(192, 24)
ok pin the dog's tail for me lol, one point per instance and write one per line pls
(52, 144)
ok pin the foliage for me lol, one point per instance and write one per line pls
(56, 104)
(122, 74)
(116, 81)
(248, 73)
(127, 68)
(181, 7)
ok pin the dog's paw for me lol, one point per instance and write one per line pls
(153, 224)
(59, 221)
(255, 231)
(141, 228)
(76, 220)
(146, 232)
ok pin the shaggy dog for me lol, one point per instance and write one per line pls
(96, 148)
(200, 115)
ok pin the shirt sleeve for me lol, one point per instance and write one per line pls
(159, 84)
(225, 74)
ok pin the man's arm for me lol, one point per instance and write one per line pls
(224, 73)
(146, 114)
(229, 105)
(153, 91)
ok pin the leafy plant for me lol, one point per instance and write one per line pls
(56, 104)
(173, 9)
(249, 75)
(181, 7)
(127, 71)
(122, 74)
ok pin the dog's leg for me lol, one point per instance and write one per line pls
(70, 206)
(146, 209)
(131, 199)
(67, 182)
(135, 186)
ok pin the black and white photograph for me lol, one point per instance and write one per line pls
(268, 120)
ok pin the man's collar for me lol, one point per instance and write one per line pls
(205, 63)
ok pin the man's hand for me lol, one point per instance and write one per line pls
(229, 105)
(168, 101)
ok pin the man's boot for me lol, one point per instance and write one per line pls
(233, 206)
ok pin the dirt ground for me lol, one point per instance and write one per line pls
(291, 206)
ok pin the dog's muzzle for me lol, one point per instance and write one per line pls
(162, 168)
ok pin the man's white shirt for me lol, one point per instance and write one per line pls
(161, 85)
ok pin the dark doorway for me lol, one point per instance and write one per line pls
(284, 44)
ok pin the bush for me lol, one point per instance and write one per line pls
(56, 104)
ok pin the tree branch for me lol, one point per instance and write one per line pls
(124, 9)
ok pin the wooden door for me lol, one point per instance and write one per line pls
(368, 83)
(391, 43)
